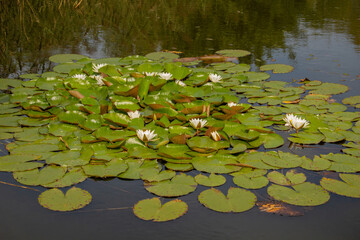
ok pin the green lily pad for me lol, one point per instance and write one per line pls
(212, 180)
(151, 209)
(233, 53)
(54, 199)
(306, 138)
(250, 182)
(304, 194)
(353, 100)
(317, 164)
(179, 167)
(237, 200)
(72, 177)
(291, 178)
(135, 167)
(179, 185)
(161, 55)
(282, 159)
(206, 144)
(350, 186)
(109, 169)
(343, 162)
(65, 58)
(154, 175)
(277, 68)
(35, 177)
(14, 163)
(216, 164)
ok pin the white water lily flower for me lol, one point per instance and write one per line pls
(79, 76)
(146, 136)
(296, 122)
(150, 74)
(180, 83)
(96, 67)
(99, 80)
(215, 77)
(216, 136)
(165, 75)
(198, 123)
(232, 104)
(135, 114)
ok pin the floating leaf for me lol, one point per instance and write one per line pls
(64, 58)
(212, 180)
(291, 178)
(277, 68)
(249, 182)
(350, 186)
(151, 209)
(54, 199)
(233, 53)
(35, 177)
(179, 185)
(304, 194)
(237, 200)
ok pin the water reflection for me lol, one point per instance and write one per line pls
(33, 30)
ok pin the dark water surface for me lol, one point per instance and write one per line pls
(320, 38)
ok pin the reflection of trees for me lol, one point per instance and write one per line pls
(33, 30)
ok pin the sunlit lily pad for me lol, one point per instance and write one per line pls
(291, 178)
(179, 185)
(233, 53)
(277, 68)
(151, 209)
(304, 194)
(64, 58)
(212, 180)
(35, 177)
(350, 186)
(54, 199)
(250, 182)
(216, 164)
(237, 200)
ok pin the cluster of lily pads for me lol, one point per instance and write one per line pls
(155, 118)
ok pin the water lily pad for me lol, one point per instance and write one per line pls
(291, 178)
(161, 55)
(135, 167)
(212, 180)
(216, 164)
(350, 186)
(237, 200)
(14, 163)
(304, 194)
(250, 182)
(233, 53)
(181, 167)
(65, 58)
(54, 199)
(317, 164)
(151, 209)
(277, 68)
(109, 169)
(35, 177)
(353, 100)
(329, 89)
(179, 185)
(343, 162)
(306, 138)
(72, 177)
(154, 175)
(282, 159)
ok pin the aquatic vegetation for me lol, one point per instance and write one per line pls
(125, 118)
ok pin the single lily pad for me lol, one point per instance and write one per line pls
(54, 199)
(304, 194)
(151, 209)
(350, 186)
(237, 200)
(179, 185)
(212, 180)
(277, 68)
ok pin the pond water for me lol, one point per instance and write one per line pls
(321, 39)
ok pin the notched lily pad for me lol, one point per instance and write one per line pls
(151, 209)
(54, 199)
